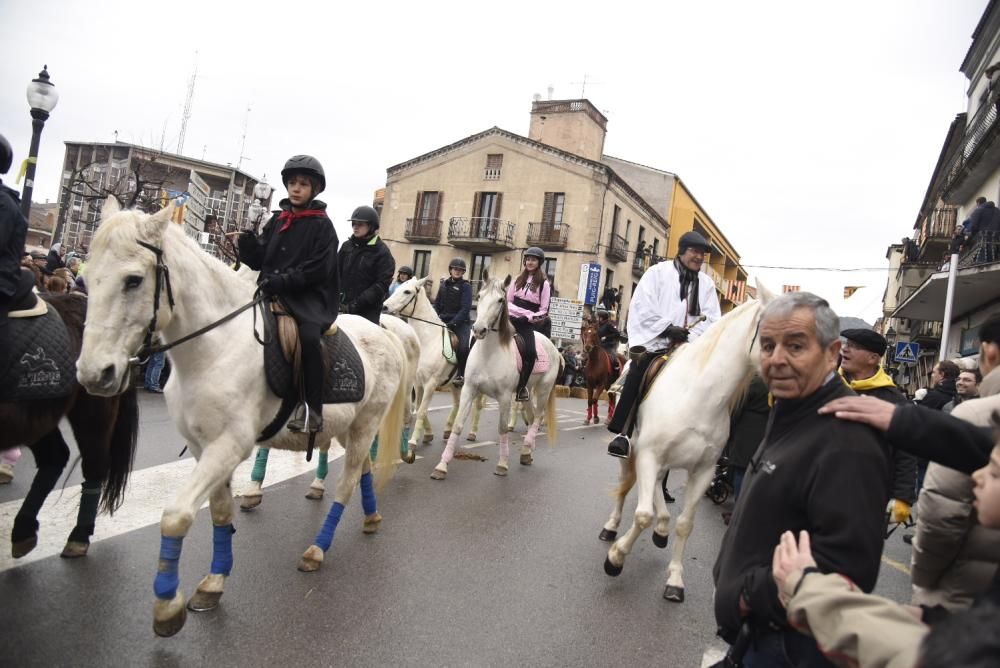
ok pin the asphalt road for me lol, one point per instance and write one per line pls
(474, 570)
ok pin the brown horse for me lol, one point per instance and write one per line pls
(598, 372)
(105, 430)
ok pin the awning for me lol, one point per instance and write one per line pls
(975, 287)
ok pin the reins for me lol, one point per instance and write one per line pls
(163, 278)
(413, 302)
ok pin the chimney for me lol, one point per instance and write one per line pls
(575, 126)
(551, 91)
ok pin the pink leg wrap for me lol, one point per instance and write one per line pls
(10, 456)
(505, 445)
(449, 449)
(529, 438)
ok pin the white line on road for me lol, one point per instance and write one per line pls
(583, 426)
(712, 656)
(149, 490)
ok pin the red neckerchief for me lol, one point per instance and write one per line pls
(291, 216)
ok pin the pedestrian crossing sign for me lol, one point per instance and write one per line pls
(907, 352)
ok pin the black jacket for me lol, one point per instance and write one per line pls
(609, 335)
(941, 438)
(299, 264)
(747, 425)
(366, 270)
(815, 473)
(453, 301)
(939, 395)
(13, 230)
(904, 465)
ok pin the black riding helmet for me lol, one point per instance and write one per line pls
(457, 263)
(304, 164)
(6, 155)
(405, 270)
(365, 214)
(535, 251)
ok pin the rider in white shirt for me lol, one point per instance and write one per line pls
(670, 296)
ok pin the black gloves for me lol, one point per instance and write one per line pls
(676, 334)
(273, 285)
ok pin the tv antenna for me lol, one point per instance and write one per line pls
(583, 84)
(187, 106)
(243, 139)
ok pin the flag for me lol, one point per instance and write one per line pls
(790, 288)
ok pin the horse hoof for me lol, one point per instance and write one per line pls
(428, 438)
(169, 616)
(438, 475)
(203, 601)
(22, 547)
(608, 536)
(660, 541)
(472, 436)
(311, 560)
(372, 523)
(74, 549)
(597, 420)
(586, 422)
(250, 502)
(526, 459)
(672, 593)
(611, 569)
(314, 494)
(500, 470)
(446, 434)
(410, 456)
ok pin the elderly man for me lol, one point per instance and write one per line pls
(810, 473)
(861, 367)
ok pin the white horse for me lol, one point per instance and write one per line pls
(491, 370)
(683, 423)
(217, 394)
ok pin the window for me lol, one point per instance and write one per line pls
(421, 263)
(549, 265)
(614, 219)
(656, 249)
(609, 278)
(552, 217)
(485, 211)
(480, 263)
(494, 162)
(428, 206)
(642, 237)
(628, 230)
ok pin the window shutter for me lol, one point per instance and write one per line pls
(475, 204)
(496, 214)
(419, 206)
(549, 209)
(437, 205)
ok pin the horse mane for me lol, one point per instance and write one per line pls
(504, 329)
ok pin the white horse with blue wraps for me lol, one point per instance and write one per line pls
(217, 394)
(492, 370)
(683, 423)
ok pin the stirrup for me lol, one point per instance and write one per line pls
(619, 446)
(522, 395)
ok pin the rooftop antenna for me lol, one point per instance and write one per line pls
(187, 106)
(583, 84)
(116, 136)
(203, 150)
(243, 139)
(163, 135)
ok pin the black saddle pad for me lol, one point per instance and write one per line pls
(345, 374)
(42, 365)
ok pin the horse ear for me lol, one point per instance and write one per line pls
(110, 207)
(427, 282)
(763, 293)
(158, 222)
(506, 282)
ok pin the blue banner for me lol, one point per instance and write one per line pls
(593, 283)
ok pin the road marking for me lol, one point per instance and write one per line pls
(148, 491)
(902, 568)
(712, 656)
(477, 445)
(583, 426)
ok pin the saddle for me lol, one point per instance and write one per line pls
(542, 362)
(345, 375)
(449, 345)
(42, 361)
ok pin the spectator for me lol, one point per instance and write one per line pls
(609, 297)
(154, 367)
(966, 387)
(54, 260)
(809, 474)
(572, 364)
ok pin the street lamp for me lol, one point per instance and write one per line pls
(42, 98)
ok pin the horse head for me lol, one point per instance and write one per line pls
(588, 336)
(121, 280)
(405, 300)
(491, 313)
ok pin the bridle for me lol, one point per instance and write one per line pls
(163, 281)
(412, 302)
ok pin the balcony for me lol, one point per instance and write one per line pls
(936, 232)
(977, 157)
(548, 236)
(639, 265)
(617, 250)
(426, 230)
(715, 276)
(481, 234)
(985, 249)
(491, 174)
(927, 332)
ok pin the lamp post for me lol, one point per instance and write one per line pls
(890, 349)
(42, 98)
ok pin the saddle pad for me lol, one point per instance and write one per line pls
(541, 362)
(42, 365)
(448, 347)
(345, 375)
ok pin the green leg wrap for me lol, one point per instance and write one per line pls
(260, 465)
(323, 466)
(373, 453)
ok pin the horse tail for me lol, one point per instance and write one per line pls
(392, 424)
(124, 435)
(627, 480)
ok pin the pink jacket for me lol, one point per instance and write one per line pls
(538, 297)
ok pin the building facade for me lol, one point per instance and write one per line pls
(214, 198)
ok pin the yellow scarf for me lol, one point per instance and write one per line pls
(880, 379)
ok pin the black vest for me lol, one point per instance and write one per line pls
(449, 297)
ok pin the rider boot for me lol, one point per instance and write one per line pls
(312, 381)
(522, 382)
(619, 446)
(464, 346)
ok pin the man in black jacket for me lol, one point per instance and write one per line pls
(943, 377)
(366, 267)
(809, 473)
(861, 367)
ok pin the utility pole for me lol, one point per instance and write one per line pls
(187, 106)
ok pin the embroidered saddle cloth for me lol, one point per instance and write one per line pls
(42, 364)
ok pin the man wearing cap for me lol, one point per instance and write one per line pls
(665, 310)
(609, 336)
(861, 367)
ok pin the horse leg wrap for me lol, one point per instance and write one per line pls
(373, 452)
(90, 495)
(449, 450)
(529, 438)
(167, 580)
(367, 493)
(222, 549)
(260, 465)
(324, 539)
(505, 445)
(26, 521)
(323, 466)
(404, 442)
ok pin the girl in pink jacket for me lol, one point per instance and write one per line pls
(528, 306)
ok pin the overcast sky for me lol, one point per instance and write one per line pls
(807, 130)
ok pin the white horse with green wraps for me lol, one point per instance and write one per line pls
(683, 423)
(217, 394)
(492, 370)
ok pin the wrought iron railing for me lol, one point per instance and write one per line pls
(985, 249)
(715, 276)
(617, 247)
(927, 329)
(979, 133)
(423, 229)
(940, 224)
(548, 235)
(479, 229)
(639, 265)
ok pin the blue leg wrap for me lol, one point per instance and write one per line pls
(222, 549)
(323, 466)
(166, 582)
(373, 452)
(260, 465)
(367, 493)
(324, 539)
